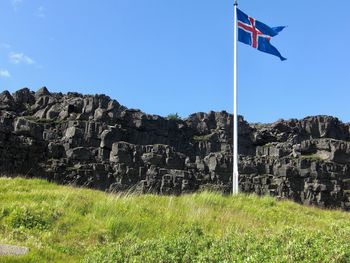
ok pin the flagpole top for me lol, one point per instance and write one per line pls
(235, 4)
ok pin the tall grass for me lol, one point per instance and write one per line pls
(65, 224)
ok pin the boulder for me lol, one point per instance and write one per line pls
(121, 152)
(42, 92)
(24, 97)
(6, 101)
(25, 127)
(108, 137)
(79, 154)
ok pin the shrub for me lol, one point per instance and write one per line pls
(32, 218)
(174, 117)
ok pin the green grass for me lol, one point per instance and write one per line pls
(202, 138)
(65, 224)
(312, 157)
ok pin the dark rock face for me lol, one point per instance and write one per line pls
(93, 141)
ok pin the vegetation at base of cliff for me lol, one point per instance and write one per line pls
(66, 224)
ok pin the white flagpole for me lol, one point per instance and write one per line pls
(235, 118)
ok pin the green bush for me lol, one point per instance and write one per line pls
(28, 108)
(32, 218)
(174, 117)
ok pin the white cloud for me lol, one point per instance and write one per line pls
(40, 12)
(18, 58)
(5, 73)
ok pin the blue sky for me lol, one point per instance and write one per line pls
(177, 56)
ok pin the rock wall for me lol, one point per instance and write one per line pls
(93, 141)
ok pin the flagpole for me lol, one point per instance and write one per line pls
(235, 118)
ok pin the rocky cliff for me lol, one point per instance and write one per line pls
(93, 141)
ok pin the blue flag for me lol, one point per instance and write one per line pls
(256, 34)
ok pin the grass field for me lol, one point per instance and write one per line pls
(65, 224)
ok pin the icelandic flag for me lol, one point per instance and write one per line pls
(256, 34)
